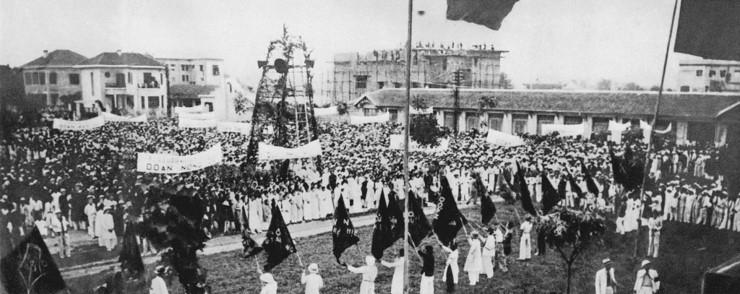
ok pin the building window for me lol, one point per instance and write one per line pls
(699, 73)
(130, 78)
(174, 67)
(185, 78)
(28, 78)
(699, 132)
(369, 111)
(685, 88)
(544, 120)
(600, 124)
(142, 102)
(42, 78)
(361, 82)
(52, 78)
(201, 67)
(444, 64)
(712, 73)
(450, 120)
(471, 121)
(572, 120)
(153, 102)
(381, 85)
(722, 73)
(396, 85)
(216, 71)
(107, 74)
(519, 123)
(74, 79)
(183, 67)
(35, 78)
(393, 114)
(495, 121)
(92, 84)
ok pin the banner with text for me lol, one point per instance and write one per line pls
(187, 123)
(380, 118)
(269, 152)
(79, 125)
(234, 127)
(175, 164)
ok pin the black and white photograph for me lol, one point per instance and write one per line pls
(370, 147)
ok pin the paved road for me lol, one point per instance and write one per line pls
(224, 244)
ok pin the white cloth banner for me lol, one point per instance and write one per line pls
(429, 110)
(647, 130)
(108, 117)
(233, 127)
(616, 130)
(187, 123)
(332, 110)
(564, 130)
(503, 139)
(269, 152)
(198, 116)
(78, 125)
(193, 109)
(358, 120)
(397, 143)
(175, 164)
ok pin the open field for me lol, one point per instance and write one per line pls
(686, 251)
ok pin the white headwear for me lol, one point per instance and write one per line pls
(313, 268)
(369, 260)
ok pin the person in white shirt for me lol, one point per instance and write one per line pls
(108, 236)
(489, 253)
(312, 280)
(369, 272)
(451, 265)
(525, 244)
(158, 284)
(605, 282)
(269, 286)
(647, 280)
(473, 262)
(90, 212)
(655, 225)
(397, 265)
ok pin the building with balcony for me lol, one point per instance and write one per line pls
(431, 67)
(694, 117)
(124, 82)
(709, 76)
(52, 78)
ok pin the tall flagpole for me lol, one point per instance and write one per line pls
(655, 115)
(406, 154)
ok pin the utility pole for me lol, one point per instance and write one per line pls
(458, 79)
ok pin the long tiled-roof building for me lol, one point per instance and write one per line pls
(700, 117)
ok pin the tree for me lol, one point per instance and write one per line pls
(631, 86)
(604, 85)
(504, 82)
(342, 108)
(655, 88)
(424, 130)
(571, 232)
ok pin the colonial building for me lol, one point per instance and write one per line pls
(200, 81)
(709, 76)
(431, 67)
(52, 78)
(704, 117)
(131, 83)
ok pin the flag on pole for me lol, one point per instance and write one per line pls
(524, 192)
(618, 172)
(278, 244)
(383, 234)
(550, 197)
(487, 209)
(396, 215)
(343, 232)
(488, 13)
(504, 188)
(709, 29)
(29, 267)
(448, 220)
(419, 227)
(590, 183)
(561, 187)
(130, 256)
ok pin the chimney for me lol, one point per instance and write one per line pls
(46, 53)
(118, 52)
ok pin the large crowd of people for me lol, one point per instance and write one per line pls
(87, 181)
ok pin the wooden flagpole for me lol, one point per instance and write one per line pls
(406, 152)
(646, 168)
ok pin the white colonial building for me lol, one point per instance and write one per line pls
(707, 75)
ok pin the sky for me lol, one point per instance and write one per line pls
(547, 40)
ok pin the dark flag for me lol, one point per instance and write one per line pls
(504, 189)
(278, 244)
(343, 232)
(488, 13)
(618, 172)
(550, 197)
(450, 280)
(383, 235)
(709, 29)
(29, 268)
(524, 192)
(590, 183)
(130, 256)
(448, 219)
(575, 189)
(487, 209)
(419, 227)
(251, 247)
(561, 187)
(396, 216)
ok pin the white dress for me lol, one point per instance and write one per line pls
(525, 244)
(452, 264)
(474, 261)
(397, 282)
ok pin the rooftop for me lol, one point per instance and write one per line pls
(674, 104)
(59, 57)
(118, 59)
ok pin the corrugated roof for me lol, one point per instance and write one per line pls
(126, 58)
(59, 57)
(594, 102)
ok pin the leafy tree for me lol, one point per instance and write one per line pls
(342, 108)
(424, 130)
(631, 86)
(504, 82)
(571, 232)
(655, 88)
(604, 84)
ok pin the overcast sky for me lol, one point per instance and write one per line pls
(549, 40)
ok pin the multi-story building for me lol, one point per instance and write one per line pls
(199, 81)
(52, 77)
(355, 74)
(709, 76)
(131, 83)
